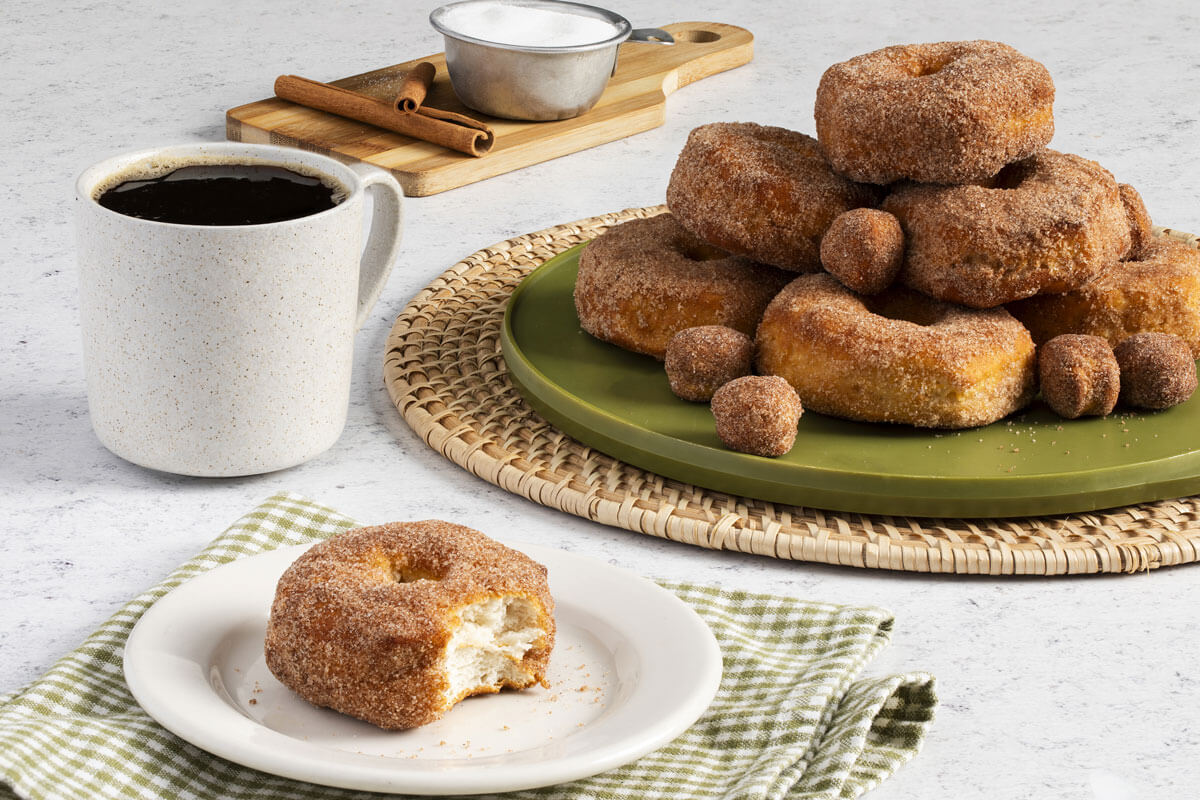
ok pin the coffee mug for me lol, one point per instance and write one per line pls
(223, 350)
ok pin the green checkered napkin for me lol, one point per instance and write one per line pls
(790, 719)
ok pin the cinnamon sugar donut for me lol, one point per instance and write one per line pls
(1044, 225)
(395, 624)
(948, 112)
(760, 191)
(642, 282)
(1159, 291)
(897, 356)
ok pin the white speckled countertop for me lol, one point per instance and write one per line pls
(1064, 688)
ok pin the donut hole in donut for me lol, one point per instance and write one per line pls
(927, 66)
(1012, 176)
(700, 251)
(906, 307)
(410, 574)
(485, 650)
(386, 569)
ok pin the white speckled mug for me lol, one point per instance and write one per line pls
(226, 350)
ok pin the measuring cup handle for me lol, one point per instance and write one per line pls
(651, 36)
(383, 242)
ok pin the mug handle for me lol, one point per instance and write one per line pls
(383, 242)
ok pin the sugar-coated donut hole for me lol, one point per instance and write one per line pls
(1079, 375)
(864, 249)
(1157, 370)
(757, 414)
(700, 360)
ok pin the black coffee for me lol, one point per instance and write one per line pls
(222, 194)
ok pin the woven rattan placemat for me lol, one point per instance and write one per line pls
(445, 374)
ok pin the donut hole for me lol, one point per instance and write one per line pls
(904, 307)
(485, 649)
(700, 251)
(409, 574)
(1012, 176)
(928, 66)
(697, 36)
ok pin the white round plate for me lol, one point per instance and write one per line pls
(633, 666)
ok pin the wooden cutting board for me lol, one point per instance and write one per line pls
(634, 101)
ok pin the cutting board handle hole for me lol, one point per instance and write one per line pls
(697, 36)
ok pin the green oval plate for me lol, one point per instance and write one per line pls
(1032, 463)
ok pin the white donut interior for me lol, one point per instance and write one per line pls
(485, 651)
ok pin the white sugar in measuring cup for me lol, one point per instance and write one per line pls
(533, 59)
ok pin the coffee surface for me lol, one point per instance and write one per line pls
(222, 194)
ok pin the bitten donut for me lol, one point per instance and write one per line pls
(947, 112)
(1079, 376)
(1044, 225)
(642, 282)
(395, 624)
(760, 191)
(863, 249)
(897, 356)
(1159, 291)
(1157, 370)
(701, 360)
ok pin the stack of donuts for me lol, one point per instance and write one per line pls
(940, 244)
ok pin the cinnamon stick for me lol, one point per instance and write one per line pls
(415, 86)
(455, 131)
